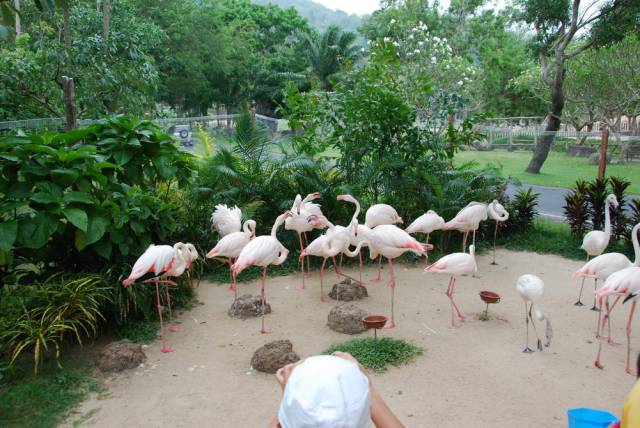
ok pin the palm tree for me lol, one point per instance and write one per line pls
(329, 53)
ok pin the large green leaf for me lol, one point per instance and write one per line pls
(96, 229)
(35, 232)
(103, 248)
(80, 197)
(122, 156)
(64, 176)
(77, 217)
(47, 193)
(8, 233)
(81, 240)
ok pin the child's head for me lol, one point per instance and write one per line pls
(326, 391)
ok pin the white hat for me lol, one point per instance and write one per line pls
(326, 392)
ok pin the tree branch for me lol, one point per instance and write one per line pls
(579, 50)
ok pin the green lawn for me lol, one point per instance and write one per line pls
(559, 170)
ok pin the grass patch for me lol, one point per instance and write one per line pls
(376, 355)
(46, 400)
(559, 170)
(139, 331)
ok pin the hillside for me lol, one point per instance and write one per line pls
(319, 17)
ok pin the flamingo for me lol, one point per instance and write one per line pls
(595, 242)
(361, 231)
(498, 213)
(377, 215)
(155, 265)
(230, 247)
(625, 282)
(190, 255)
(263, 251)
(468, 220)
(426, 223)
(226, 220)
(455, 264)
(300, 212)
(390, 241)
(602, 266)
(531, 289)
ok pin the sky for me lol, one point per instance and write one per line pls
(360, 7)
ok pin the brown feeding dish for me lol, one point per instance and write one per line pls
(489, 297)
(375, 322)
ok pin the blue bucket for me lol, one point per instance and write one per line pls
(590, 418)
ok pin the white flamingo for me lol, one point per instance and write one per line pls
(625, 282)
(263, 251)
(378, 215)
(390, 241)
(499, 214)
(602, 266)
(190, 255)
(468, 220)
(455, 264)
(426, 223)
(301, 210)
(226, 220)
(155, 265)
(230, 247)
(531, 289)
(595, 242)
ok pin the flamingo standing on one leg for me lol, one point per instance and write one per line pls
(390, 241)
(378, 215)
(230, 247)
(595, 242)
(301, 210)
(154, 265)
(468, 220)
(263, 251)
(531, 289)
(455, 264)
(496, 212)
(190, 255)
(426, 223)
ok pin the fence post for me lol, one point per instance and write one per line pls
(602, 166)
(510, 139)
(69, 102)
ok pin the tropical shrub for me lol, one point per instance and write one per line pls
(619, 222)
(576, 209)
(522, 210)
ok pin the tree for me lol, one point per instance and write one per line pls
(556, 23)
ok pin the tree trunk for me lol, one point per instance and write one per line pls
(16, 4)
(541, 150)
(69, 102)
(106, 18)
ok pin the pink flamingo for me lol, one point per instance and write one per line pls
(226, 220)
(455, 264)
(468, 220)
(426, 223)
(390, 241)
(190, 255)
(263, 251)
(230, 247)
(301, 210)
(497, 212)
(155, 265)
(378, 215)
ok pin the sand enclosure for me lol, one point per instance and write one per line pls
(475, 376)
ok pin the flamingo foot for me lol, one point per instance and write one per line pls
(232, 287)
(493, 264)
(528, 350)
(539, 345)
(631, 372)
(389, 324)
(308, 275)
(376, 279)
(301, 289)
(456, 324)
(166, 349)
(598, 364)
(173, 328)
(265, 330)
(611, 342)
(595, 308)
(578, 303)
(323, 298)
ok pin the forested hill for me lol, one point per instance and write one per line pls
(319, 16)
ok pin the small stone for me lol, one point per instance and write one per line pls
(347, 318)
(248, 306)
(349, 291)
(273, 356)
(121, 355)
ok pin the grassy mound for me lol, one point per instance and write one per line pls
(376, 355)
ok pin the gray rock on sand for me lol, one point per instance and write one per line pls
(248, 306)
(349, 291)
(347, 318)
(121, 355)
(274, 355)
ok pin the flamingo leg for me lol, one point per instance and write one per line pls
(426, 257)
(232, 286)
(464, 241)
(263, 330)
(302, 272)
(597, 362)
(322, 295)
(610, 341)
(338, 283)
(495, 234)
(360, 263)
(579, 303)
(454, 307)
(474, 237)
(164, 348)
(172, 327)
(392, 283)
(534, 328)
(628, 331)
(378, 278)
(526, 350)
(595, 288)
(336, 268)
(305, 240)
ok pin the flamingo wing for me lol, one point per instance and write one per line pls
(226, 220)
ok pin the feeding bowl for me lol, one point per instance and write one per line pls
(489, 297)
(374, 321)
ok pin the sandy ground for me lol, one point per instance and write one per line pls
(475, 376)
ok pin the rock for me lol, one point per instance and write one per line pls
(594, 158)
(274, 355)
(346, 318)
(248, 306)
(349, 291)
(121, 355)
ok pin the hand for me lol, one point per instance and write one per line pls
(282, 375)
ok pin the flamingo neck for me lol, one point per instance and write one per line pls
(636, 244)
(277, 224)
(607, 219)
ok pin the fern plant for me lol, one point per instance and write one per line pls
(523, 209)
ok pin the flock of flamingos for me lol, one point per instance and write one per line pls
(240, 248)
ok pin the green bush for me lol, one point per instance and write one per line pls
(378, 354)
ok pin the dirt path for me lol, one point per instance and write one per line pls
(475, 376)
